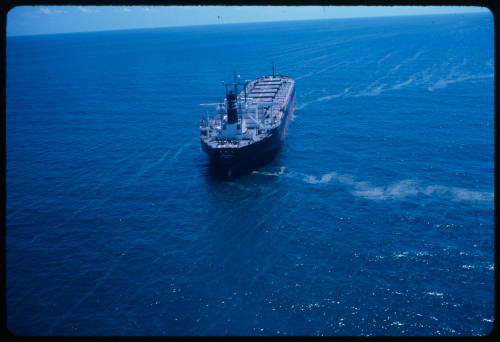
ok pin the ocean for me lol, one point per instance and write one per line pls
(376, 217)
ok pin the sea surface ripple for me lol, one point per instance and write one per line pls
(376, 217)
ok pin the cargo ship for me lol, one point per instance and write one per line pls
(247, 129)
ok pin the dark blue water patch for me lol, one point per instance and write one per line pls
(375, 218)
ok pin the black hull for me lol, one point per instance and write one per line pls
(235, 161)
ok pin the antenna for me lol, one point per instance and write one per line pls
(225, 85)
(235, 84)
(273, 68)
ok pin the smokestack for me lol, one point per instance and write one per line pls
(232, 113)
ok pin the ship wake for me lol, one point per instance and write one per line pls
(275, 174)
(399, 190)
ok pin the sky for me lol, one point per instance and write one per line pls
(32, 20)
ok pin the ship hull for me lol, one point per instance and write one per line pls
(232, 161)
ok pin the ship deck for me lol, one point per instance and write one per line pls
(265, 100)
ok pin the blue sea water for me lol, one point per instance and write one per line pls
(376, 217)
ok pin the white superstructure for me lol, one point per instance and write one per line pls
(260, 106)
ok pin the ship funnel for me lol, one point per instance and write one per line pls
(232, 113)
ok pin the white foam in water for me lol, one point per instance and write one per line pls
(384, 58)
(302, 105)
(375, 88)
(421, 78)
(431, 189)
(371, 91)
(320, 71)
(443, 82)
(374, 193)
(324, 179)
(182, 148)
(159, 161)
(400, 190)
(324, 98)
(304, 76)
(426, 76)
(275, 174)
(145, 168)
(394, 191)
(402, 84)
(404, 62)
(468, 195)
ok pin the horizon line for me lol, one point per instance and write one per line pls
(250, 22)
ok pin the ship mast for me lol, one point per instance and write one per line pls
(237, 82)
(232, 98)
